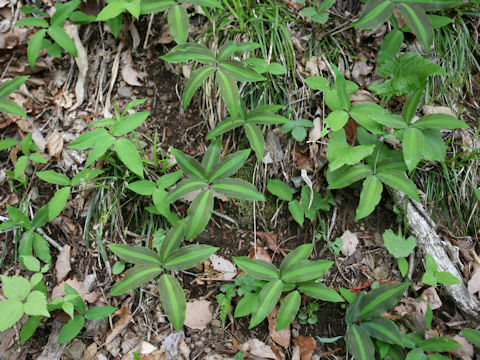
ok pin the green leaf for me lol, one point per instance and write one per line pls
(28, 329)
(403, 266)
(12, 312)
(288, 310)
(226, 50)
(173, 240)
(10, 86)
(62, 39)
(7, 143)
(418, 21)
(437, 357)
(246, 305)
(397, 180)
(129, 123)
(353, 310)
(381, 299)
(240, 71)
(224, 126)
(58, 202)
(112, 10)
(416, 354)
(15, 287)
(238, 189)
(337, 119)
(33, 21)
(199, 213)
(99, 312)
(71, 329)
(11, 107)
(429, 278)
(383, 329)
(317, 83)
(229, 165)
(36, 304)
(440, 121)
(135, 254)
(229, 92)
(42, 249)
(306, 270)
(167, 180)
(54, 177)
(374, 14)
(26, 243)
(341, 89)
(118, 268)
(30, 263)
(128, 154)
(190, 166)
(178, 23)
(299, 133)
(255, 138)
(347, 175)
(259, 65)
(362, 113)
(185, 187)
(359, 343)
(195, 81)
(434, 148)
(446, 278)
(190, 51)
(390, 46)
(391, 120)
(280, 189)
(115, 24)
(133, 7)
(173, 300)
(340, 153)
(397, 245)
(276, 68)
(207, 3)
(135, 277)
(431, 5)
(369, 197)
(89, 139)
(18, 217)
(259, 269)
(296, 209)
(267, 299)
(153, 6)
(439, 344)
(188, 257)
(472, 335)
(68, 308)
(320, 291)
(63, 11)
(80, 18)
(34, 46)
(142, 187)
(411, 104)
(412, 147)
(301, 252)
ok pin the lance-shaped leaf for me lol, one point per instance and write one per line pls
(440, 121)
(195, 81)
(99, 312)
(229, 92)
(320, 291)
(173, 300)
(240, 71)
(391, 120)
(11, 107)
(472, 335)
(301, 252)
(296, 209)
(189, 165)
(359, 343)
(172, 240)
(238, 189)
(58, 202)
(185, 187)
(340, 153)
(439, 344)
(129, 123)
(71, 329)
(229, 165)
(211, 156)
(54, 177)
(199, 214)
(353, 310)
(226, 50)
(384, 330)
(397, 180)
(288, 310)
(306, 270)
(374, 14)
(153, 6)
(259, 269)
(89, 139)
(267, 299)
(265, 117)
(188, 257)
(431, 5)
(280, 189)
(362, 113)
(207, 3)
(246, 305)
(341, 89)
(419, 22)
(136, 254)
(34, 46)
(412, 147)
(190, 51)
(411, 104)
(178, 23)
(347, 175)
(9, 86)
(63, 11)
(369, 197)
(255, 138)
(142, 187)
(381, 299)
(135, 277)
(62, 39)
(128, 154)
(390, 46)
(167, 180)
(224, 126)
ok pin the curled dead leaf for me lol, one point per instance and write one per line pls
(306, 345)
(125, 315)
(260, 254)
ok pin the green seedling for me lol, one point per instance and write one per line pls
(297, 128)
(399, 247)
(318, 13)
(433, 277)
(308, 316)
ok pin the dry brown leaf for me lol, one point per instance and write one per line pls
(39, 140)
(54, 144)
(350, 242)
(155, 355)
(198, 314)
(281, 337)
(307, 345)
(474, 282)
(62, 266)
(296, 353)
(260, 350)
(125, 316)
(129, 74)
(271, 240)
(431, 297)
(59, 290)
(302, 161)
(223, 266)
(466, 351)
(261, 254)
(90, 352)
(65, 100)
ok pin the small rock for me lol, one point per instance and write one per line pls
(315, 357)
(125, 92)
(150, 92)
(74, 351)
(146, 348)
(101, 357)
(216, 323)
(184, 350)
(95, 327)
(198, 343)
(295, 333)
(203, 339)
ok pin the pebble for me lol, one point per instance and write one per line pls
(74, 351)
(195, 337)
(203, 339)
(125, 92)
(198, 343)
(216, 323)
(295, 333)
(150, 92)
